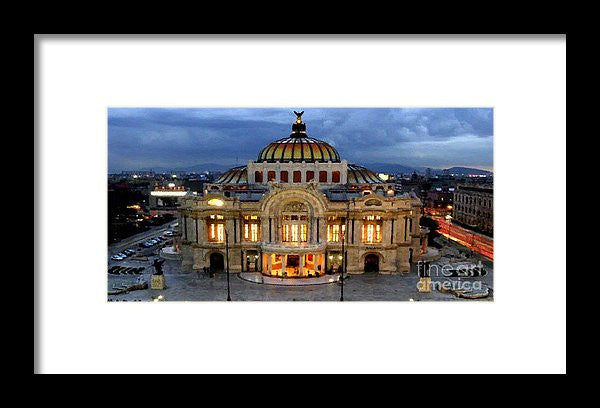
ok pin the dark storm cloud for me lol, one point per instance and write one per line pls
(144, 138)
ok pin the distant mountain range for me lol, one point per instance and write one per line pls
(402, 169)
(465, 170)
(377, 167)
(198, 168)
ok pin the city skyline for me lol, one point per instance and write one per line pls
(143, 138)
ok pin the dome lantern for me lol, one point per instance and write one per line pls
(299, 127)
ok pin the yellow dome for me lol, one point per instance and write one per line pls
(298, 147)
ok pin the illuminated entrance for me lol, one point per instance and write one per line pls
(292, 265)
(371, 263)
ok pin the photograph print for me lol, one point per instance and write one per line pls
(300, 204)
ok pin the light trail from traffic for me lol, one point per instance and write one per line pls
(474, 241)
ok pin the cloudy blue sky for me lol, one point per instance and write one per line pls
(174, 138)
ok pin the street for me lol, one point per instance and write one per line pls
(138, 238)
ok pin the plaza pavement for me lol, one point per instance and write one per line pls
(189, 285)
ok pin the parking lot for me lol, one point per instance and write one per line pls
(139, 245)
(134, 263)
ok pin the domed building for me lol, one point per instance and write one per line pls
(286, 214)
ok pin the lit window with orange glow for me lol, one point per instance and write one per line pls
(372, 229)
(303, 232)
(216, 228)
(294, 228)
(251, 228)
(336, 227)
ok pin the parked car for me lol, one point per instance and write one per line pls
(117, 257)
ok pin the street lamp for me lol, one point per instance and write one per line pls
(343, 264)
(227, 268)
(343, 255)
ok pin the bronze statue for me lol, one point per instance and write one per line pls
(158, 266)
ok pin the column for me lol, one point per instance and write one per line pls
(190, 228)
(201, 230)
(185, 233)
(323, 230)
(264, 229)
(269, 264)
(235, 230)
(283, 263)
(387, 230)
(302, 264)
(318, 230)
(358, 230)
(229, 229)
(323, 262)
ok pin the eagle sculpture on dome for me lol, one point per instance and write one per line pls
(298, 116)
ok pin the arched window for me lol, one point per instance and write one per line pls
(258, 177)
(335, 177)
(283, 176)
(297, 176)
(310, 175)
(271, 175)
(322, 177)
